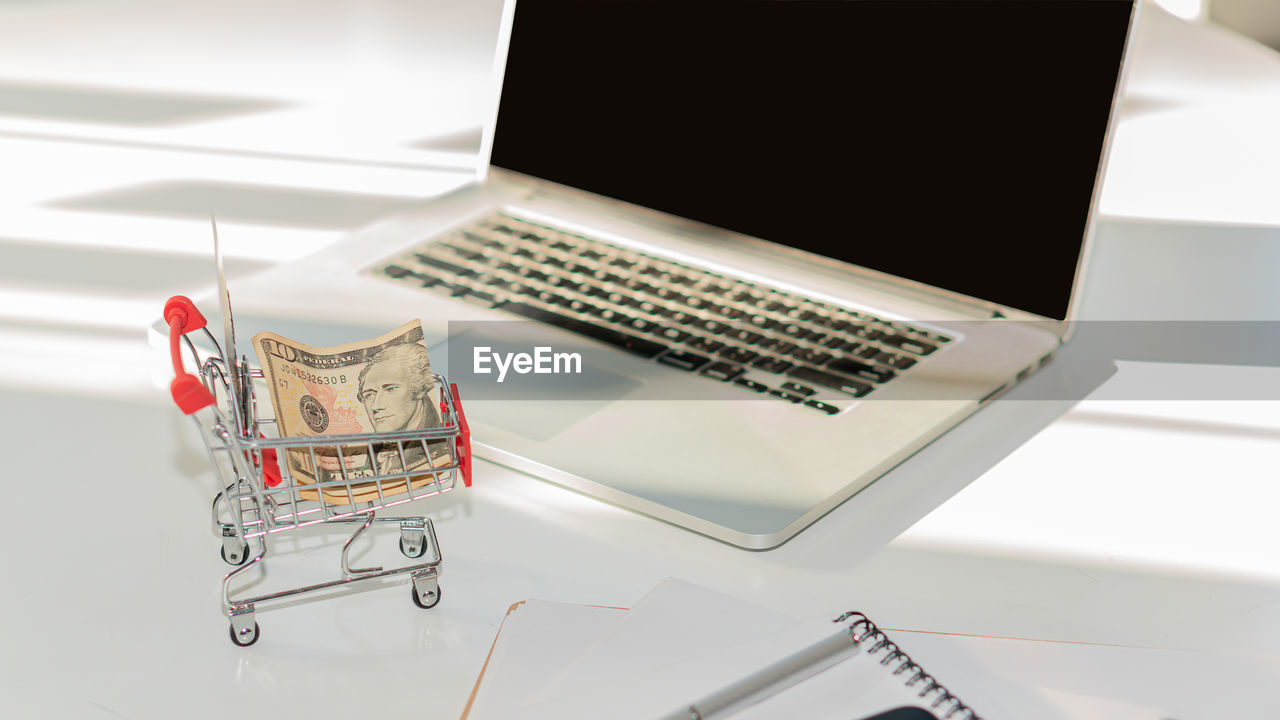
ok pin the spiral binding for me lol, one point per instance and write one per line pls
(864, 630)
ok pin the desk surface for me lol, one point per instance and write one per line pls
(1127, 523)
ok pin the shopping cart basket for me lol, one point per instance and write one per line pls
(259, 496)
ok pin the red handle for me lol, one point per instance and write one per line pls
(270, 467)
(464, 437)
(188, 392)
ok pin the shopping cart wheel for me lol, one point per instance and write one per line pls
(426, 597)
(415, 548)
(249, 637)
(237, 557)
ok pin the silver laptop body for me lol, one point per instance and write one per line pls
(748, 468)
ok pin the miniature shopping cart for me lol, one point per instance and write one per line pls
(260, 496)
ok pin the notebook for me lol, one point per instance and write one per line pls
(786, 243)
(676, 645)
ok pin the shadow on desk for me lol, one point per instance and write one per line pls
(1156, 292)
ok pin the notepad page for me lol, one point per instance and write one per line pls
(674, 621)
(536, 639)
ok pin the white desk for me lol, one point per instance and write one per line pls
(1144, 524)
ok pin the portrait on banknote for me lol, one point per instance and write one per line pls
(383, 385)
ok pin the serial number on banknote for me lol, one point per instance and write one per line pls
(311, 377)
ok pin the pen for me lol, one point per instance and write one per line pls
(773, 679)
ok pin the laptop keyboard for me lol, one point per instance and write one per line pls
(725, 329)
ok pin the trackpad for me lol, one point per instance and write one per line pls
(530, 379)
(529, 420)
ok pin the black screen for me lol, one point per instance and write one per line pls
(951, 142)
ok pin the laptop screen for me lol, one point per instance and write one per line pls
(950, 142)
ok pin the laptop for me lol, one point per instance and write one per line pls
(779, 245)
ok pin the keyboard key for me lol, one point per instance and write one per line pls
(791, 397)
(641, 325)
(670, 333)
(398, 272)
(551, 298)
(800, 332)
(737, 354)
(743, 336)
(704, 344)
(751, 384)
(462, 252)
(683, 360)
(482, 240)
(402, 273)
(782, 347)
(919, 347)
(481, 298)
(763, 322)
(531, 274)
(712, 326)
(459, 251)
(729, 313)
(818, 377)
(640, 346)
(770, 364)
(637, 286)
(826, 321)
(798, 388)
(585, 308)
(897, 362)
(445, 265)
(813, 357)
(722, 371)
(825, 407)
(860, 369)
